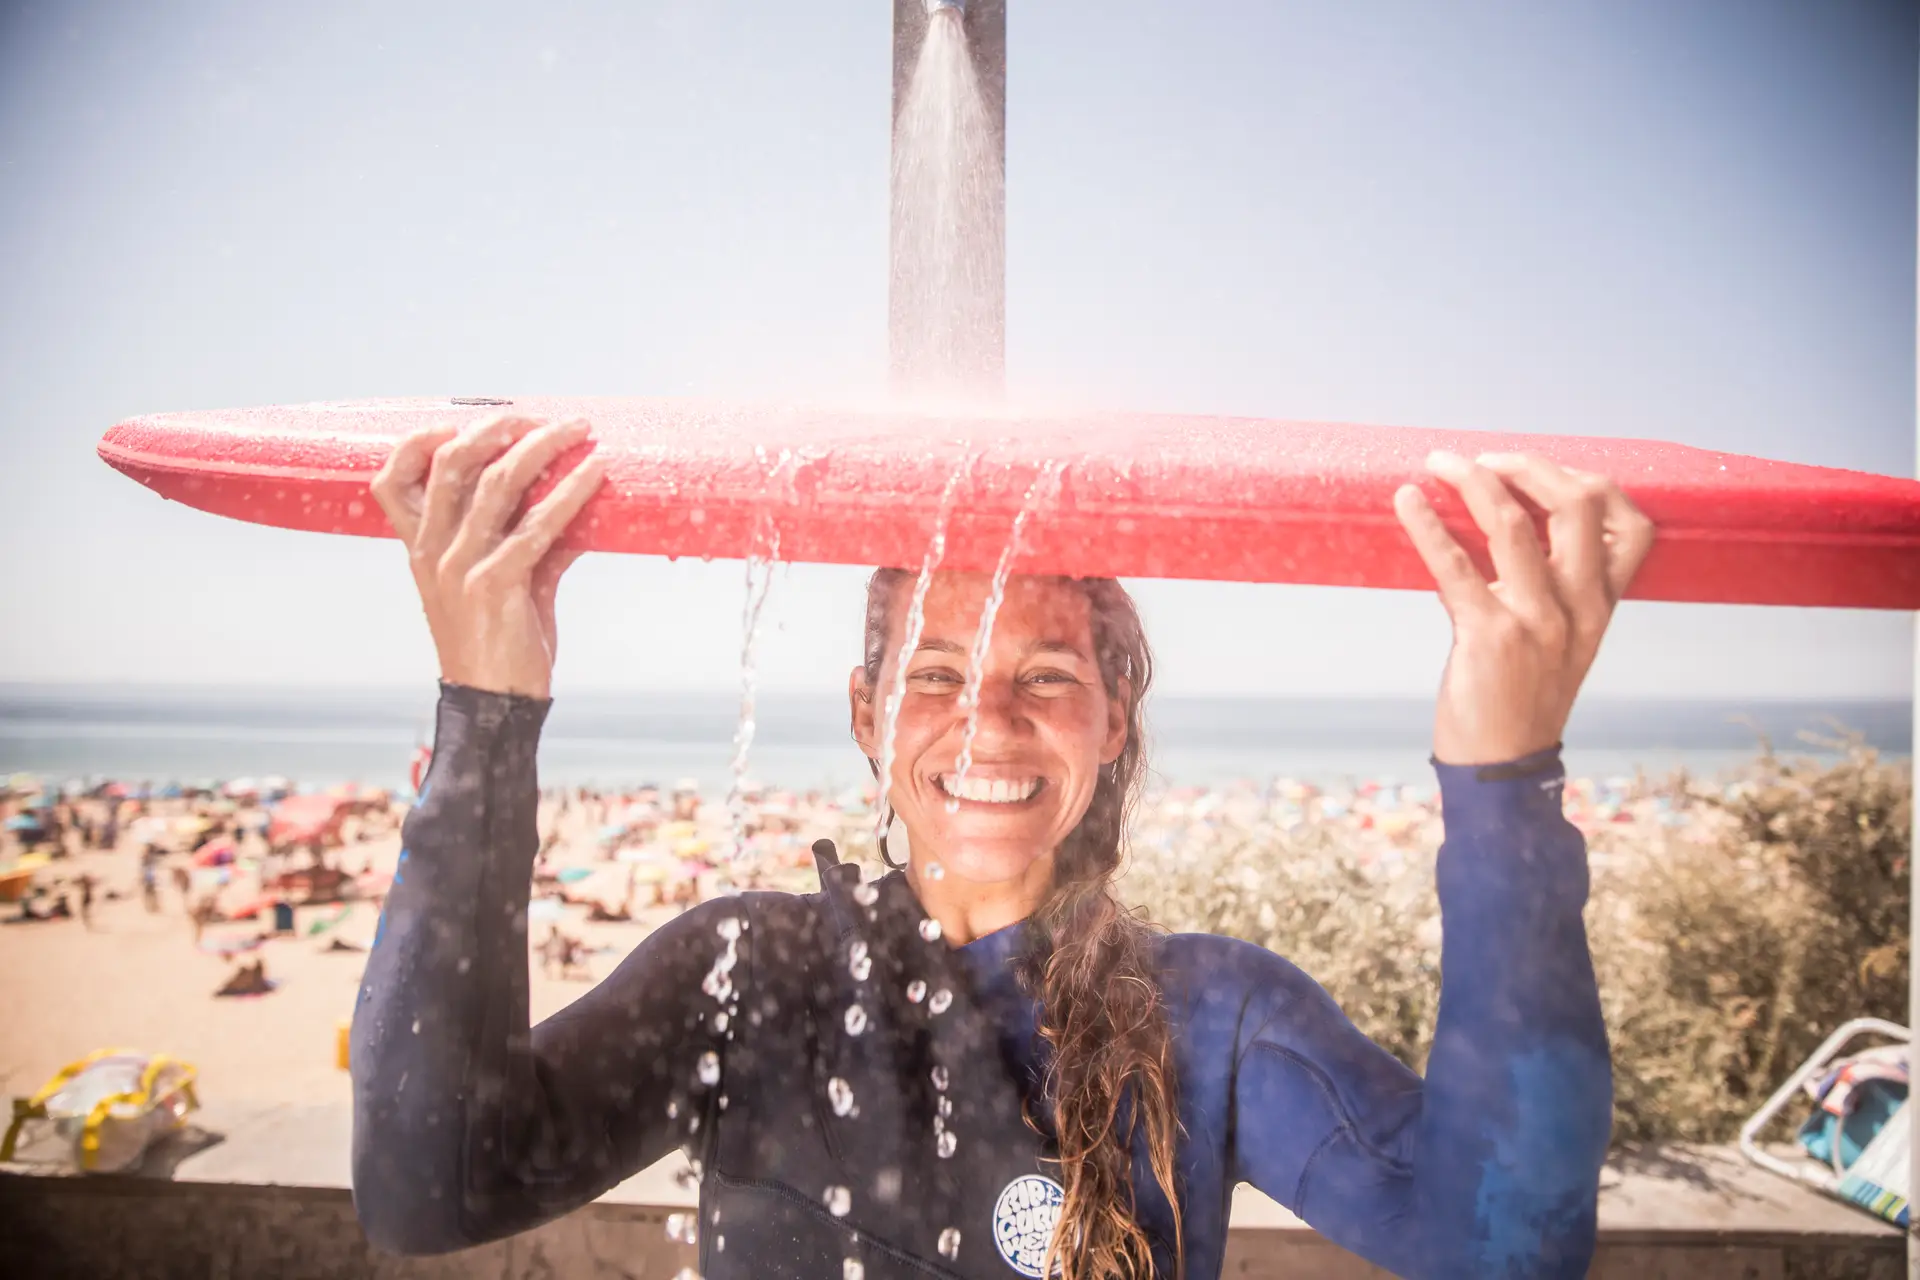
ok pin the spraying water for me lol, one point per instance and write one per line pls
(948, 227)
(916, 621)
(1040, 494)
(760, 564)
(759, 580)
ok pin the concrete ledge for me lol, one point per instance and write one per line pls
(270, 1198)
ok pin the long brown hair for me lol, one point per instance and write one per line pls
(1091, 963)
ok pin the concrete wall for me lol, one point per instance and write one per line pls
(146, 1229)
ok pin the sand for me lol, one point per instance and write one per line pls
(135, 979)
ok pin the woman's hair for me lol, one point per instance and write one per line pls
(1091, 963)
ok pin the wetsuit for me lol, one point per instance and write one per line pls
(854, 1089)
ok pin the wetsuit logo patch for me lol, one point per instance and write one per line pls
(1023, 1222)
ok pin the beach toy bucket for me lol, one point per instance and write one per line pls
(107, 1108)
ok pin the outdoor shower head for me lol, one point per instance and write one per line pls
(935, 6)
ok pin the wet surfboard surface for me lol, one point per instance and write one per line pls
(1105, 494)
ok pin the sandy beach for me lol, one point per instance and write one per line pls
(131, 977)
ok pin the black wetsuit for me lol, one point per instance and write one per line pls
(854, 1090)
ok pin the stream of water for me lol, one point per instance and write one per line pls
(910, 640)
(1040, 495)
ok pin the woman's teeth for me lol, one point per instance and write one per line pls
(989, 790)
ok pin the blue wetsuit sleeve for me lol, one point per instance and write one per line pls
(1490, 1166)
(468, 1125)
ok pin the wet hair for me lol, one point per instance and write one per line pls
(1091, 964)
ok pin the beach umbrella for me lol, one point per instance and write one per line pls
(231, 944)
(217, 853)
(305, 819)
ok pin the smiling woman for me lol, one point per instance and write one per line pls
(980, 1062)
(1050, 733)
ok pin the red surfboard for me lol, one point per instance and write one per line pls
(1110, 494)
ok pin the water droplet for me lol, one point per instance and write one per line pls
(940, 1077)
(865, 894)
(936, 871)
(719, 1244)
(944, 1106)
(930, 929)
(944, 1144)
(729, 928)
(720, 1020)
(673, 1110)
(839, 1201)
(851, 1269)
(942, 1000)
(916, 991)
(686, 1273)
(709, 1068)
(466, 963)
(840, 1094)
(856, 1020)
(682, 1229)
(950, 1243)
(859, 963)
(416, 1026)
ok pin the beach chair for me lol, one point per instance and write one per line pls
(1871, 1174)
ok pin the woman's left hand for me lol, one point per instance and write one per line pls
(1523, 642)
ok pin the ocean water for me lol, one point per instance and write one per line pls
(322, 736)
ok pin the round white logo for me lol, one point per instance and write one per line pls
(1023, 1222)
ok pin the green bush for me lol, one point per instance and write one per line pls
(1727, 946)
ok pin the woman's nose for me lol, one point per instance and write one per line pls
(1000, 715)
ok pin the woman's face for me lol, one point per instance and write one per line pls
(1046, 725)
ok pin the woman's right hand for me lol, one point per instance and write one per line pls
(486, 579)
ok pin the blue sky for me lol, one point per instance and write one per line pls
(1693, 222)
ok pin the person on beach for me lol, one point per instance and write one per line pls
(981, 1064)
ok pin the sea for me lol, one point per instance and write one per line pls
(322, 736)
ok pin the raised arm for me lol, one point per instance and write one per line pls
(1490, 1165)
(468, 1126)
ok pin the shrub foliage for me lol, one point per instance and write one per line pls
(1733, 924)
